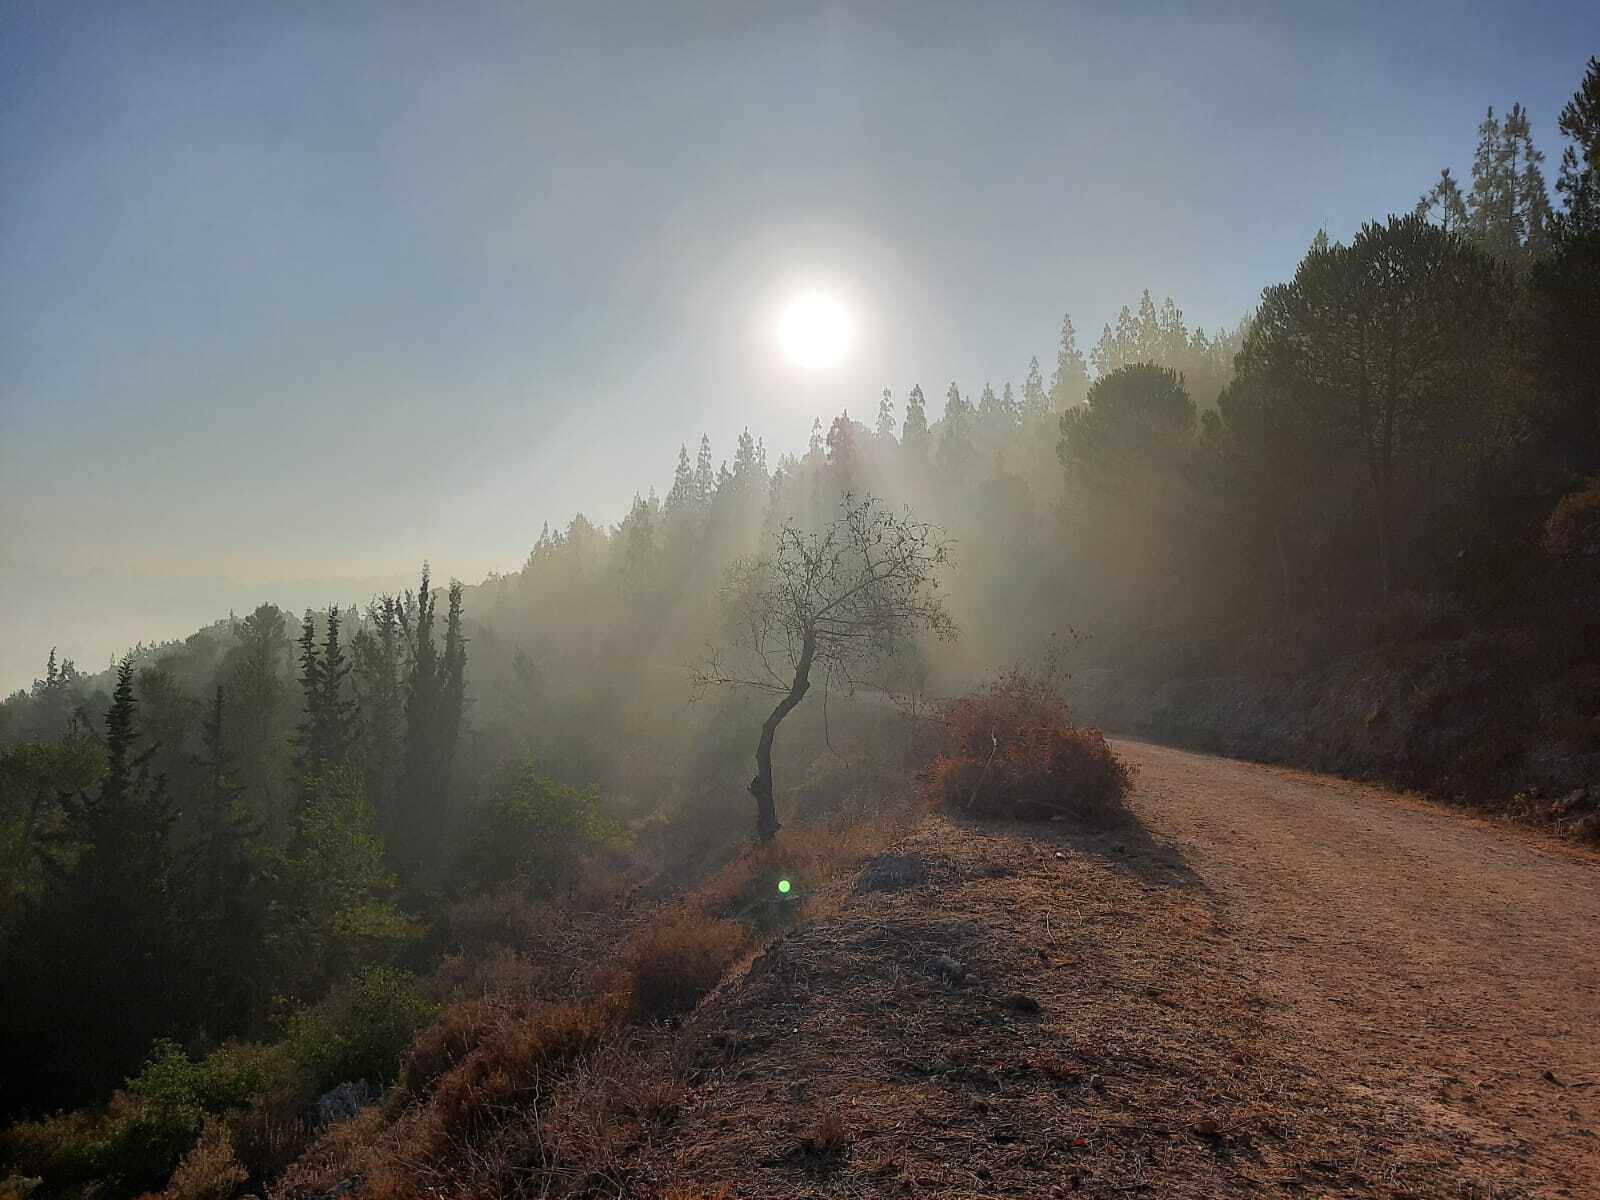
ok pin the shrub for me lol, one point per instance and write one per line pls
(227, 1078)
(667, 967)
(508, 1065)
(457, 1031)
(209, 1171)
(1573, 527)
(533, 828)
(360, 1029)
(145, 1129)
(1011, 751)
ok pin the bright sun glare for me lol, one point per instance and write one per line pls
(814, 330)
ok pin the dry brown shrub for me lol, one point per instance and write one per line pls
(510, 1063)
(665, 968)
(1011, 752)
(496, 971)
(340, 1153)
(829, 1135)
(459, 1029)
(209, 1171)
(390, 1180)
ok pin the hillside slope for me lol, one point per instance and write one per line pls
(1275, 984)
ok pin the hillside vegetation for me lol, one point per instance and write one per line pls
(396, 897)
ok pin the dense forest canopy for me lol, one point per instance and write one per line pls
(221, 832)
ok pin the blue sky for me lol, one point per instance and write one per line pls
(293, 296)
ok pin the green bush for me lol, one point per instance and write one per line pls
(533, 828)
(135, 1141)
(359, 1029)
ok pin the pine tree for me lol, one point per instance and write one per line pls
(681, 495)
(328, 727)
(636, 564)
(956, 453)
(988, 402)
(1579, 179)
(1443, 204)
(380, 706)
(705, 482)
(422, 819)
(914, 431)
(306, 758)
(1508, 207)
(885, 429)
(1070, 383)
(1035, 403)
(1010, 407)
(257, 724)
(748, 462)
(337, 709)
(454, 684)
(1530, 197)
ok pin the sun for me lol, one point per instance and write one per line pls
(815, 331)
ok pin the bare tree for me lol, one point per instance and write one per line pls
(837, 603)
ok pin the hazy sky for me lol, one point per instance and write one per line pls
(294, 296)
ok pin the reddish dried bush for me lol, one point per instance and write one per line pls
(510, 1062)
(667, 967)
(457, 1031)
(1011, 751)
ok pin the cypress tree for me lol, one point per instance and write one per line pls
(225, 905)
(98, 956)
(435, 706)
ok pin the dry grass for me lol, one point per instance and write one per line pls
(747, 887)
(829, 1135)
(209, 1171)
(507, 1093)
(665, 968)
(508, 1068)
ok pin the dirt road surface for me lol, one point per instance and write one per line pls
(1441, 962)
(1271, 983)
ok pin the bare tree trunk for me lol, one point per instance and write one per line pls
(1283, 569)
(761, 785)
(1381, 488)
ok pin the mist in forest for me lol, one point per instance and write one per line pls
(445, 453)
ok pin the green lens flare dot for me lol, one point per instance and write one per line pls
(783, 886)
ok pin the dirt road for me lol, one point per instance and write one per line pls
(1442, 962)
(1271, 983)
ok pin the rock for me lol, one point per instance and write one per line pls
(343, 1102)
(891, 873)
